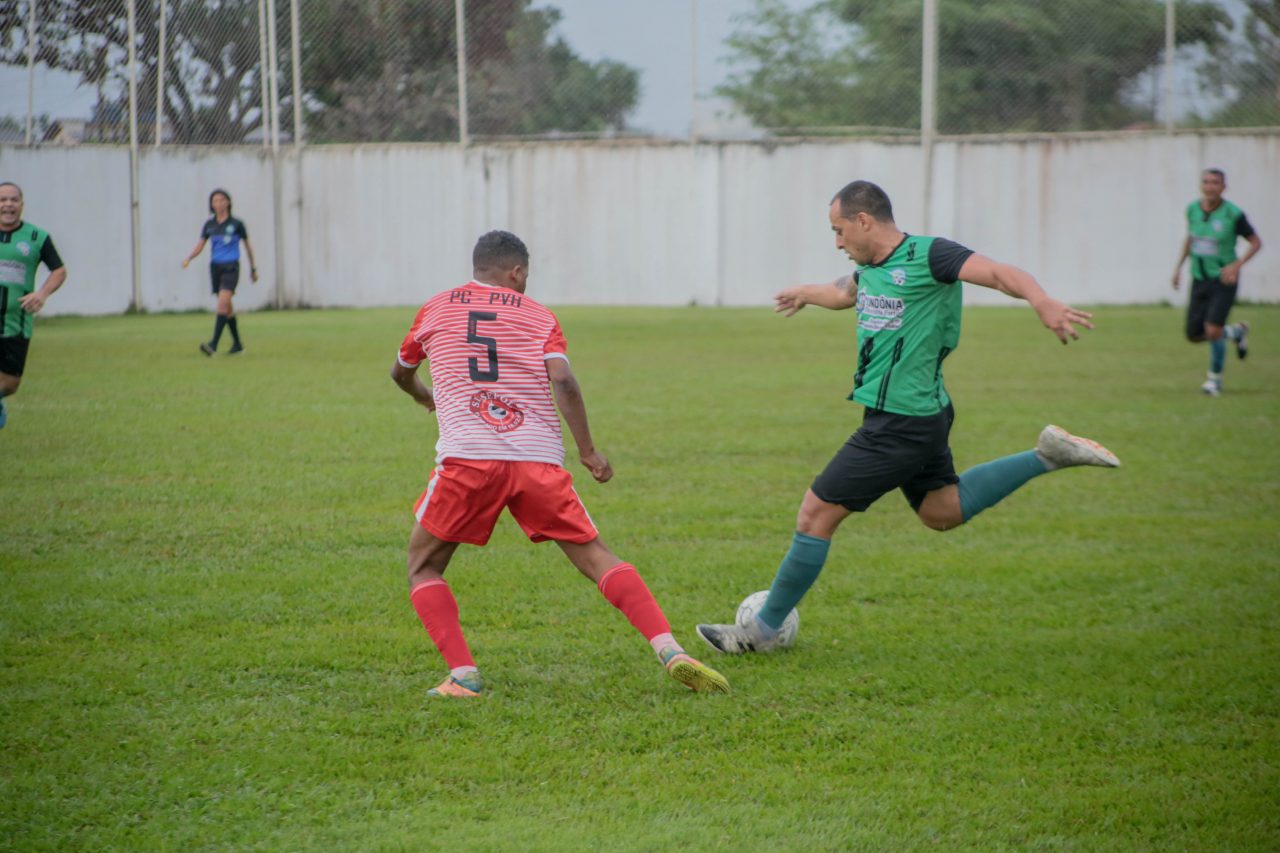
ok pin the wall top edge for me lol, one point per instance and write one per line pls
(769, 143)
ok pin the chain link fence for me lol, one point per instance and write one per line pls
(265, 72)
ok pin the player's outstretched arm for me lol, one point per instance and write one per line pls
(838, 295)
(1057, 317)
(574, 408)
(407, 379)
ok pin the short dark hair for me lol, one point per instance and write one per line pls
(12, 184)
(864, 197)
(1218, 172)
(499, 250)
(220, 191)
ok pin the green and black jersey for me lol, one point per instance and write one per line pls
(1213, 235)
(908, 322)
(22, 250)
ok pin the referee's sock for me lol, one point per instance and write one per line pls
(234, 329)
(798, 571)
(219, 324)
(987, 484)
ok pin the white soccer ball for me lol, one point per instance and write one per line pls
(751, 605)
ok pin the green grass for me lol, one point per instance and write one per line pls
(206, 641)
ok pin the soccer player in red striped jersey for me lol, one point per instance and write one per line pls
(495, 357)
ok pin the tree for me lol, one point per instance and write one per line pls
(212, 83)
(393, 73)
(372, 70)
(1248, 67)
(1004, 65)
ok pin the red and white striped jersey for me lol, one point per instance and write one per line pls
(488, 347)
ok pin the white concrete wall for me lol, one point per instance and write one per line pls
(1098, 220)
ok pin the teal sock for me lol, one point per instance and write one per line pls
(1217, 355)
(987, 484)
(800, 568)
(1232, 332)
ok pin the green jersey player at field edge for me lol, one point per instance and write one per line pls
(23, 247)
(1213, 227)
(906, 290)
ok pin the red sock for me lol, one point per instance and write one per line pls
(438, 610)
(625, 590)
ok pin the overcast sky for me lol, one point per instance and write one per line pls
(657, 37)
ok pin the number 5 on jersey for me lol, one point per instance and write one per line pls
(490, 373)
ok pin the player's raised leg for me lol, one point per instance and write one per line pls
(622, 586)
(985, 485)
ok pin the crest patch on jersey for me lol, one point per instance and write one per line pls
(499, 413)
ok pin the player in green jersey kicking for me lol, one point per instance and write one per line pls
(1213, 227)
(23, 247)
(907, 294)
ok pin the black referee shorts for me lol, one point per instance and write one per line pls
(890, 452)
(224, 276)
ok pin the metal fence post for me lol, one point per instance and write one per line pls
(135, 224)
(31, 70)
(295, 57)
(160, 77)
(460, 12)
(928, 101)
(1170, 47)
(262, 74)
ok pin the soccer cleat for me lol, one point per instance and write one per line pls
(206, 349)
(467, 687)
(1211, 386)
(735, 639)
(1242, 342)
(1061, 449)
(695, 675)
(235, 348)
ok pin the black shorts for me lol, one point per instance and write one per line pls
(13, 355)
(890, 452)
(1211, 302)
(224, 276)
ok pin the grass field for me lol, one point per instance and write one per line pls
(207, 642)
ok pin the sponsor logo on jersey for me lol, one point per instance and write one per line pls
(876, 313)
(13, 272)
(498, 412)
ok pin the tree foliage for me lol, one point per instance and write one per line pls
(372, 70)
(1004, 65)
(1246, 68)
(388, 71)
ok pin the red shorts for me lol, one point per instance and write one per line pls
(465, 497)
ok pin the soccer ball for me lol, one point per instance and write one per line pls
(751, 605)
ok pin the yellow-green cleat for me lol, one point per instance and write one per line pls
(694, 674)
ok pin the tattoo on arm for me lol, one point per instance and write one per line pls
(847, 283)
